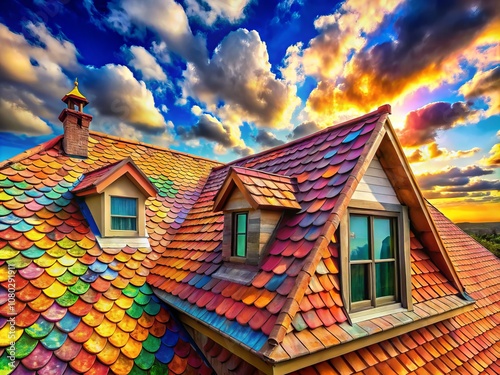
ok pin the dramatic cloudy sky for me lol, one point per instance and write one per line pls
(226, 78)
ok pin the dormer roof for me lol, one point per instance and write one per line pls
(261, 189)
(96, 181)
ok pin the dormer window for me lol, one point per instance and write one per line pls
(253, 203)
(123, 213)
(240, 230)
(116, 198)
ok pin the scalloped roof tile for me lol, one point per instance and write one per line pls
(80, 307)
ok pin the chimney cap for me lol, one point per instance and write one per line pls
(76, 95)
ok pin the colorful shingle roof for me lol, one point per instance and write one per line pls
(293, 306)
(249, 314)
(84, 297)
(325, 166)
(81, 307)
(263, 190)
(466, 344)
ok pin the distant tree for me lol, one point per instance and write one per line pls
(491, 242)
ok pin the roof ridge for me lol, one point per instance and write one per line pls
(292, 304)
(31, 151)
(110, 165)
(383, 109)
(149, 145)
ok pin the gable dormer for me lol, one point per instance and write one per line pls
(385, 210)
(116, 196)
(253, 203)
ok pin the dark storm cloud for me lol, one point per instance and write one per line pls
(421, 126)
(267, 139)
(427, 35)
(480, 185)
(451, 177)
(208, 128)
(473, 196)
(211, 129)
(304, 129)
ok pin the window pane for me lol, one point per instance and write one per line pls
(241, 223)
(358, 241)
(386, 279)
(123, 206)
(382, 237)
(123, 223)
(241, 243)
(360, 287)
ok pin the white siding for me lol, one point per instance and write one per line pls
(375, 186)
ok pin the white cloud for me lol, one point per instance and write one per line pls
(161, 52)
(146, 63)
(168, 19)
(485, 84)
(341, 33)
(210, 11)
(196, 110)
(115, 93)
(292, 69)
(31, 78)
(239, 74)
(56, 50)
(32, 84)
(17, 119)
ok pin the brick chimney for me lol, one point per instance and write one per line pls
(75, 123)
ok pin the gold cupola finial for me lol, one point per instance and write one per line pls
(75, 99)
(75, 91)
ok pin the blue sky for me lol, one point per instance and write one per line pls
(224, 79)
